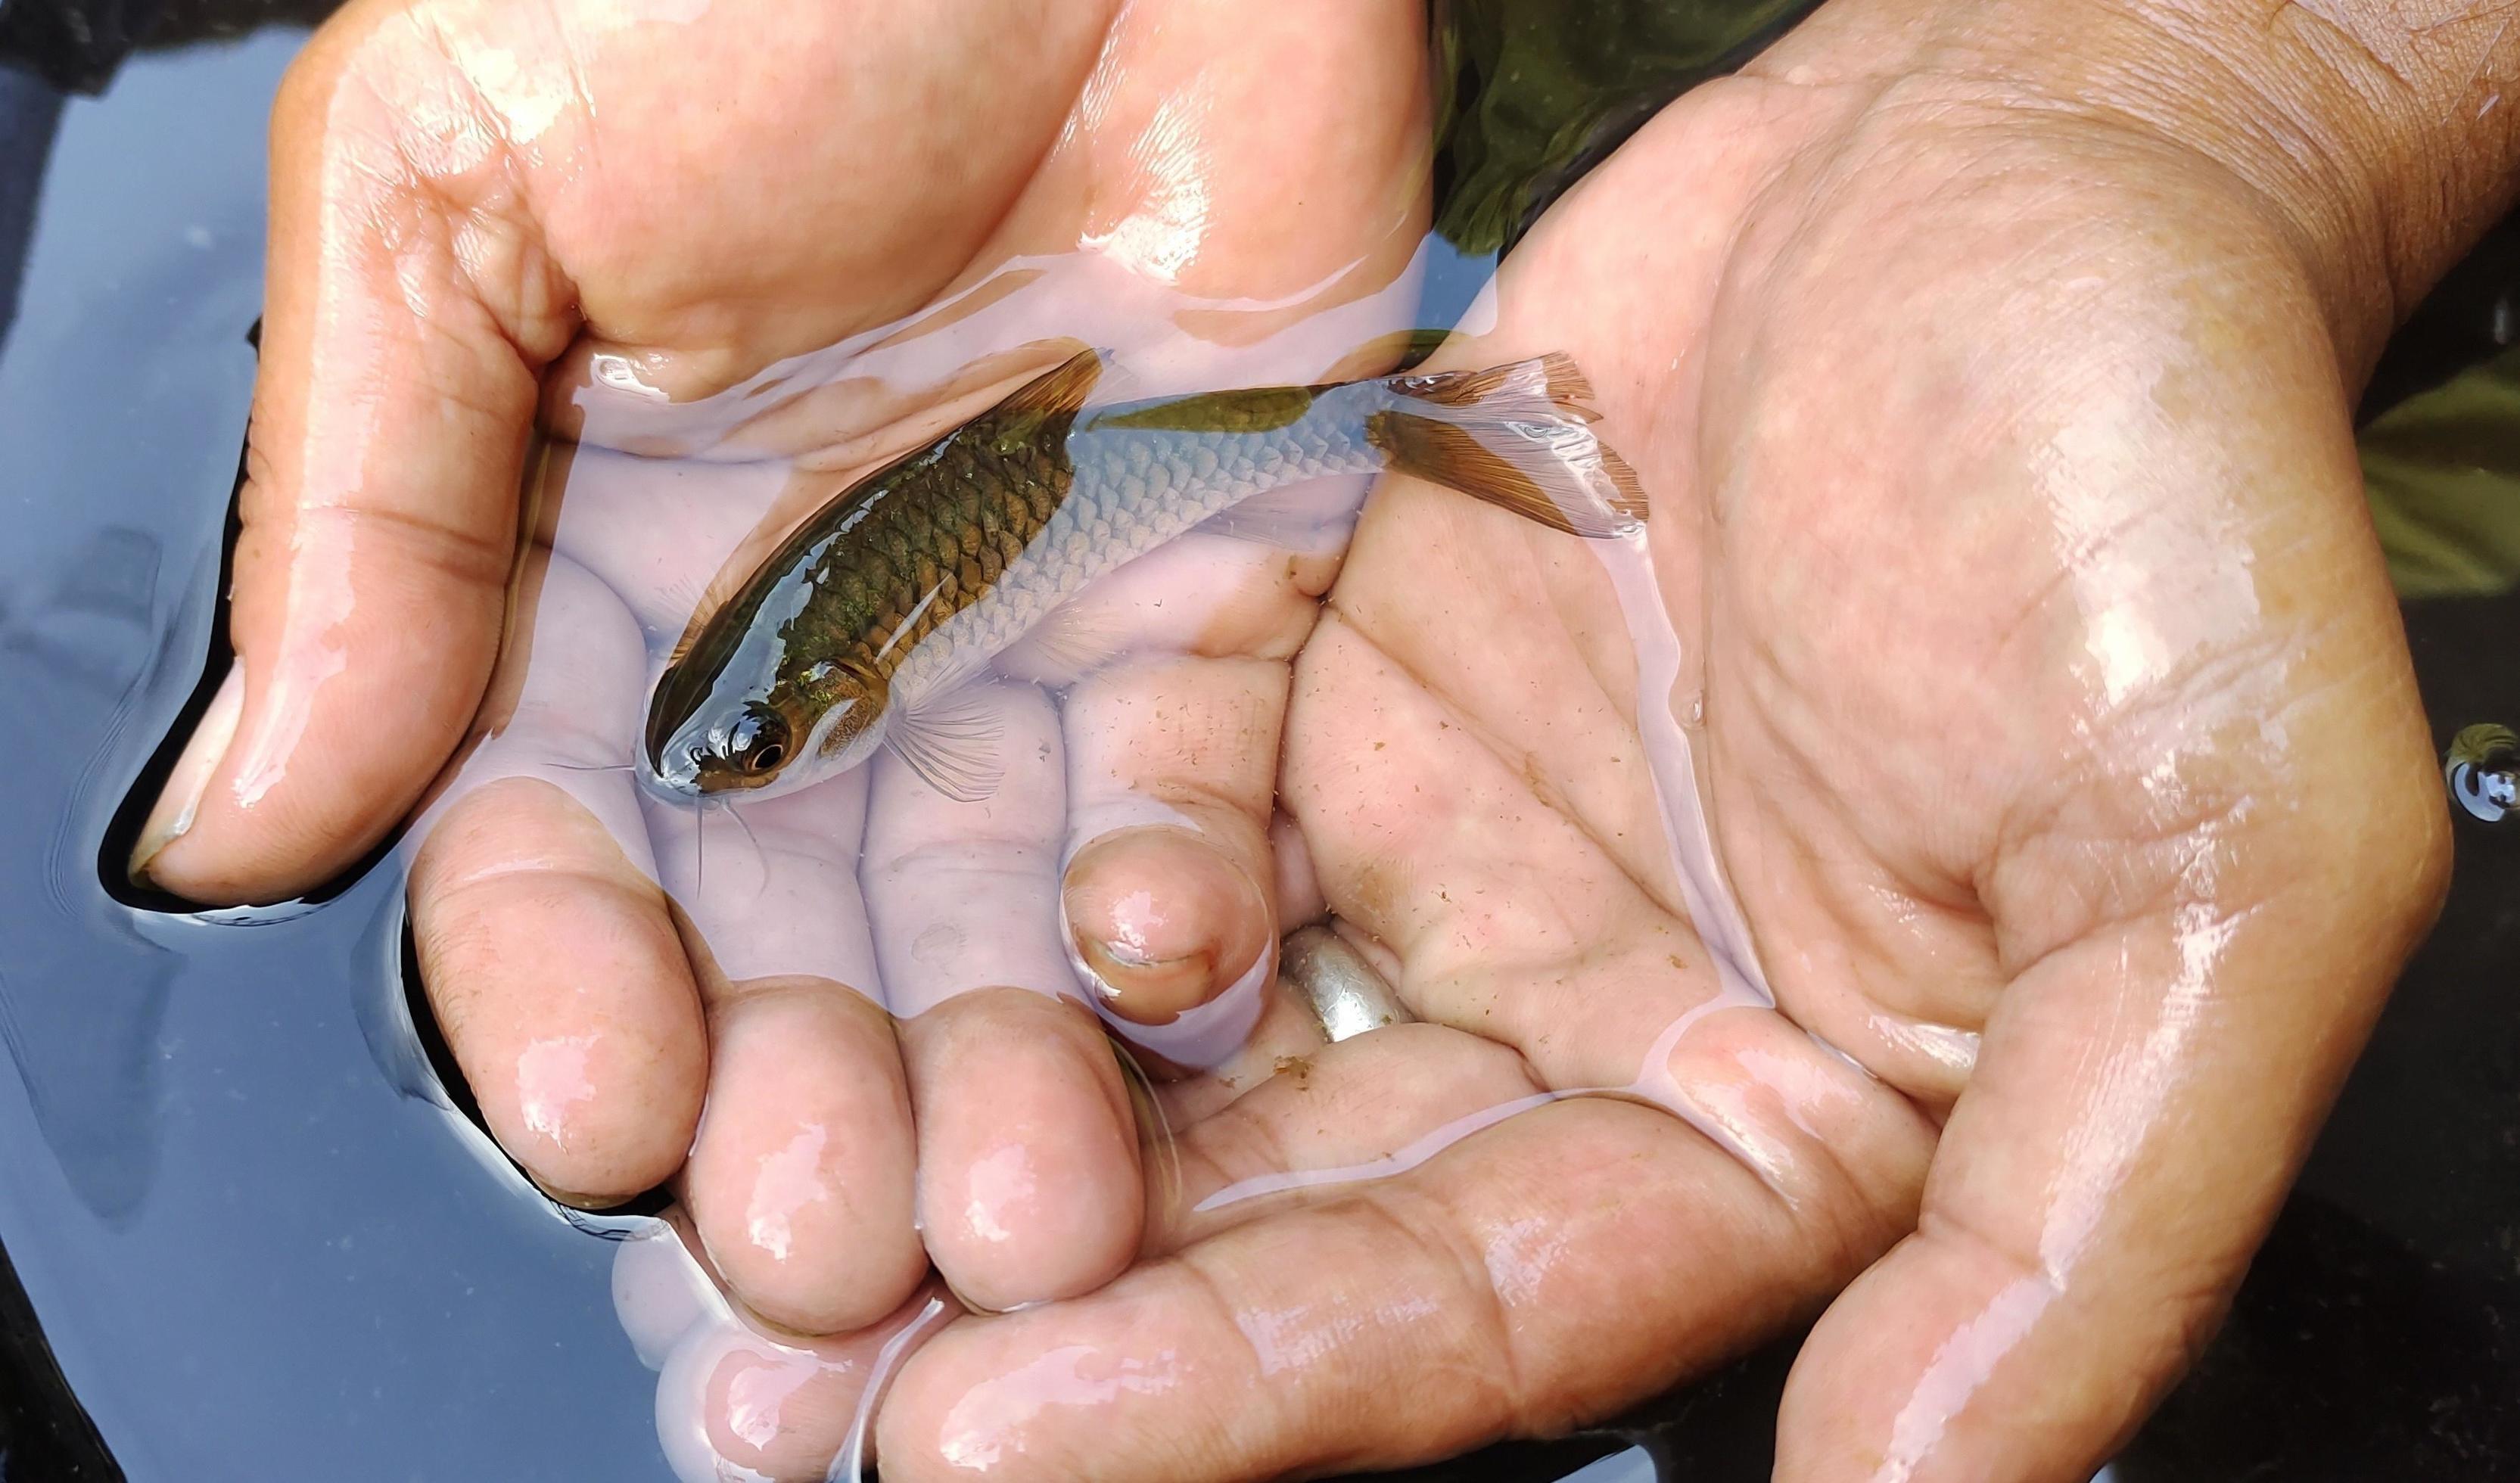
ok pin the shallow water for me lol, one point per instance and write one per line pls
(260, 1241)
(283, 1265)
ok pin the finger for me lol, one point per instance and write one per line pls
(771, 886)
(1172, 764)
(1388, 1100)
(549, 955)
(1029, 1184)
(1172, 860)
(771, 1406)
(2146, 1092)
(407, 314)
(1287, 1031)
(1171, 772)
(1272, 1347)
(963, 895)
(734, 1398)
(800, 1183)
(801, 1180)
(1328, 1117)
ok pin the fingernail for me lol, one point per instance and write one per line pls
(181, 798)
(1162, 921)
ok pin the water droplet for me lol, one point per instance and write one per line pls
(2483, 770)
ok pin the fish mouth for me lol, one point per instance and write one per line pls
(670, 787)
(674, 782)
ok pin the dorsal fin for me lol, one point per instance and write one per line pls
(713, 595)
(691, 628)
(1060, 390)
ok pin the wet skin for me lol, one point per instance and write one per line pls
(2058, 732)
(451, 235)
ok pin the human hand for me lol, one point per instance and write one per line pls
(652, 229)
(2057, 737)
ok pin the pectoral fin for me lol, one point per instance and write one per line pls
(956, 742)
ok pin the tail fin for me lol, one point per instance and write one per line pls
(1517, 437)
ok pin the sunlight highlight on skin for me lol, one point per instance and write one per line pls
(1159, 237)
(1946, 1046)
(1520, 1257)
(2147, 607)
(988, 1422)
(2139, 1086)
(553, 1077)
(790, 1179)
(1960, 1366)
(1001, 1184)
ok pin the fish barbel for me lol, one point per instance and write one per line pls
(865, 627)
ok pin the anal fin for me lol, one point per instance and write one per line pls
(1079, 636)
(1311, 519)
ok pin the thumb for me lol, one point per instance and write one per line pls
(409, 311)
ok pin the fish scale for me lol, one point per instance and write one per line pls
(990, 567)
(1129, 491)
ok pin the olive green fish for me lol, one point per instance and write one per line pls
(865, 627)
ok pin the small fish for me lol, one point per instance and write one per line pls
(865, 627)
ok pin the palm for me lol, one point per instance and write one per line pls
(1992, 567)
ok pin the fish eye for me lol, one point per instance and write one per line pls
(757, 743)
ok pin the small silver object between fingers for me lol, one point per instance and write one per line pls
(1346, 995)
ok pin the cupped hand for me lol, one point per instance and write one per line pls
(728, 255)
(2010, 599)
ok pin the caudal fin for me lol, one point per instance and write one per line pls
(1517, 436)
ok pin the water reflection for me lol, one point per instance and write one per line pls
(85, 1043)
(29, 112)
(2483, 770)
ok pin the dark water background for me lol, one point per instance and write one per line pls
(236, 1248)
